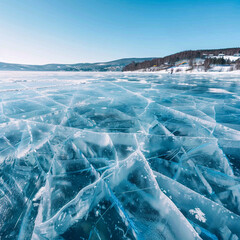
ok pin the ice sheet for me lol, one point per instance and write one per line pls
(119, 156)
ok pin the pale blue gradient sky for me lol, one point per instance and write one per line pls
(71, 31)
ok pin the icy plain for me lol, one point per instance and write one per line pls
(119, 156)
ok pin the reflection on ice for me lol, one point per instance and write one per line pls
(119, 156)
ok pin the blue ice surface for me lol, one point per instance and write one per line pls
(119, 156)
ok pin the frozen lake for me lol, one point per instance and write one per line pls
(119, 156)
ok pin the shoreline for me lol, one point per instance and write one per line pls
(235, 72)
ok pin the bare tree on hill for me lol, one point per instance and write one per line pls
(238, 64)
(207, 64)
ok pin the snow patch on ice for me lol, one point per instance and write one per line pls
(219, 90)
(199, 215)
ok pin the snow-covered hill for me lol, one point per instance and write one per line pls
(116, 65)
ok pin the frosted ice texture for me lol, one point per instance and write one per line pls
(119, 156)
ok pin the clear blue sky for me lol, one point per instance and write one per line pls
(71, 31)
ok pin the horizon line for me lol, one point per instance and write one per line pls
(117, 59)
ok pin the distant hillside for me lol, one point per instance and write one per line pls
(172, 59)
(116, 65)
